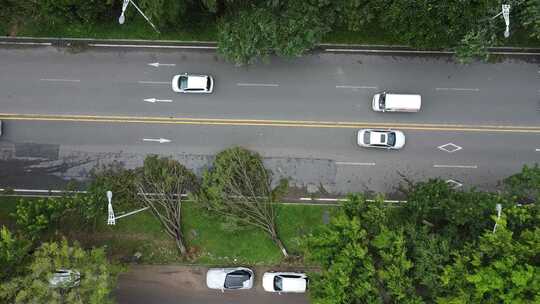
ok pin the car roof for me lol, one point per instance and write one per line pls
(236, 279)
(293, 284)
(197, 82)
(375, 137)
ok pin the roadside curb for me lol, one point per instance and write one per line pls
(211, 45)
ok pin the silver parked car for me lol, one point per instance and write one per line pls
(385, 139)
(285, 282)
(65, 278)
(229, 278)
(190, 83)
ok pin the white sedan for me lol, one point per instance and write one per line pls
(229, 278)
(190, 83)
(385, 139)
(285, 282)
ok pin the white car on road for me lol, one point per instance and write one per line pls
(229, 278)
(285, 282)
(385, 139)
(190, 83)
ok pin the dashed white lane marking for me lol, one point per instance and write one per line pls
(154, 82)
(456, 166)
(537, 150)
(243, 84)
(60, 80)
(155, 46)
(354, 164)
(354, 87)
(458, 89)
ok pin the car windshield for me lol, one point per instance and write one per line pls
(208, 83)
(382, 100)
(391, 139)
(367, 135)
(182, 82)
(278, 283)
(236, 279)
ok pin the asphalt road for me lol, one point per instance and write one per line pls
(472, 106)
(186, 285)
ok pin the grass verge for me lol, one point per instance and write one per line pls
(209, 240)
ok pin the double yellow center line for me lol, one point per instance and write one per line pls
(268, 123)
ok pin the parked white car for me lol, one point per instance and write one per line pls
(190, 83)
(285, 282)
(65, 278)
(229, 278)
(385, 139)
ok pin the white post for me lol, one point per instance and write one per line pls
(506, 16)
(111, 220)
(498, 207)
(122, 18)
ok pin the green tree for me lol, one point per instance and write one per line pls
(35, 217)
(530, 16)
(458, 215)
(363, 258)
(163, 13)
(97, 277)
(113, 177)
(239, 187)
(284, 28)
(524, 186)
(13, 251)
(500, 268)
(54, 12)
(163, 184)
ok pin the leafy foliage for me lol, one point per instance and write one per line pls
(499, 269)
(39, 216)
(530, 15)
(524, 187)
(163, 12)
(64, 11)
(13, 251)
(96, 283)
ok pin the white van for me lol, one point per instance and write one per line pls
(387, 102)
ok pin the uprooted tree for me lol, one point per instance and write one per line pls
(239, 187)
(163, 184)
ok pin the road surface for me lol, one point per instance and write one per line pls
(64, 113)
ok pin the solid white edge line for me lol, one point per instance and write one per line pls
(456, 166)
(42, 191)
(153, 46)
(419, 52)
(354, 87)
(27, 43)
(59, 80)
(243, 84)
(354, 164)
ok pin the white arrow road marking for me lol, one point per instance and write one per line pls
(157, 64)
(59, 79)
(159, 140)
(154, 100)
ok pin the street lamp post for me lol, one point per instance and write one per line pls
(122, 17)
(498, 207)
(506, 15)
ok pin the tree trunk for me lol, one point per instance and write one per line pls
(280, 245)
(180, 244)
